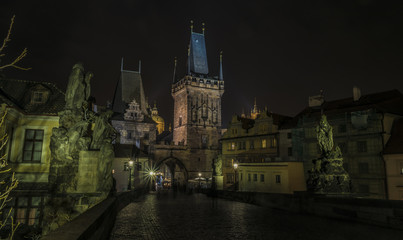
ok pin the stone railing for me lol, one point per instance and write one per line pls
(386, 213)
(97, 222)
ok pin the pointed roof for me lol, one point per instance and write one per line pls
(197, 58)
(129, 87)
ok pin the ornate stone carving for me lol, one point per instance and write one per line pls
(328, 175)
(74, 170)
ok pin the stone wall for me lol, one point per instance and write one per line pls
(386, 213)
(96, 223)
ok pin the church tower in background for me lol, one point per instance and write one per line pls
(197, 100)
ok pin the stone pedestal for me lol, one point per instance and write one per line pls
(219, 181)
(87, 177)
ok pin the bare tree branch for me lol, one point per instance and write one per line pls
(4, 45)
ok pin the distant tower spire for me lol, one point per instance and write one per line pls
(255, 107)
(139, 66)
(121, 65)
(203, 28)
(174, 77)
(188, 70)
(221, 73)
(191, 25)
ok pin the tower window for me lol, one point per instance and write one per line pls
(180, 121)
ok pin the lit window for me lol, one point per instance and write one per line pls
(26, 210)
(278, 179)
(264, 143)
(33, 145)
(401, 170)
(232, 146)
(273, 142)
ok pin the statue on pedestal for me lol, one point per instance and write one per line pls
(80, 173)
(328, 175)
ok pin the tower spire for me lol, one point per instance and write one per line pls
(174, 77)
(255, 107)
(191, 26)
(121, 65)
(139, 66)
(203, 28)
(221, 73)
(188, 70)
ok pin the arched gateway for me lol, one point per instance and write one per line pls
(172, 166)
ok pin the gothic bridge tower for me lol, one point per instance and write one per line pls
(197, 108)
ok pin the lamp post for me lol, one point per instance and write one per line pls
(200, 180)
(130, 175)
(152, 179)
(235, 177)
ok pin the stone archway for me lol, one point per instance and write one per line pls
(173, 164)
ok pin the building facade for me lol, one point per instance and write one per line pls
(252, 140)
(32, 113)
(272, 177)
(361, 127)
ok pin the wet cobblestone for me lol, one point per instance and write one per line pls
(164, 216)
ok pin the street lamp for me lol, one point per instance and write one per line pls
(200, 180)
(130, 175)
(235, 168)
(152, 174)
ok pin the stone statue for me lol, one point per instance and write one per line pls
(75, 171)
(325, 135)
(328, 175)
(102, 129)
(87, 80)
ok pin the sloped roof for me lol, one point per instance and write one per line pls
(395, 142)
(129, 87)
(18, 94)
(387, 102)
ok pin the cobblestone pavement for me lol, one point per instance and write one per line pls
(194, 217)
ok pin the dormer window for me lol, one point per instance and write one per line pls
(38, 97)
(39, 94)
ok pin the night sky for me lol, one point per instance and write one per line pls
(280, 52)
